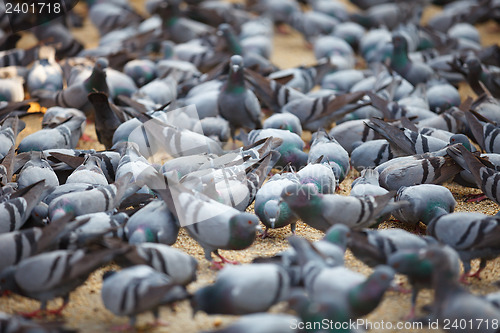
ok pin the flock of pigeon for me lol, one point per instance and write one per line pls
(187, 82)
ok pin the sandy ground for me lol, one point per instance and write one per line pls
(86, 312)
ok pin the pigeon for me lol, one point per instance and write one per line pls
(17, 208)
(284, 121)
(212, 224)
(107, 118)
(89, 172)
(142, 71)
(419, 271)
(179, 266)
(472, 235)
(485, 133)
(322, 111)
(272, 212)
(374, 247)
(413, 72)
(320, 210)
(453, 302)
(430, 168)
(8, 134)
(371, 154)
(80, 202)
(96, 226)
(35, 170)
(261, 323)
(21, 244)
(15, 323)
(59, 273)
(333, 153)
(236, 103)
(60, 136)
(358, 294)
(320, 175)
(138, 289)
(153, 223)
(45, 74)
(291, 150)
(75, 95)
(367, 184)
(349, 133)
(484, 173)
(234, 290)
(305, 77)
(427, 201)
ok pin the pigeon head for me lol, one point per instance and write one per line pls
(206, 300)
(236, 63)
(461, 138)
(408, 262)
(440, 261)
(243, 227)
(400, 43)
(272, 211)
(101, 64)
(338, 235)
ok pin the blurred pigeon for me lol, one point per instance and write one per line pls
(333, 153)
(320, 175)
(138, 289)
(17, 208)
(59, 273)
(452, 302)
(285, 121)
(272, 212)
(374, 247)
(178, 265)
(8, 134)
(234, 293)
(236, 103)
(36, 169)
(472, 235)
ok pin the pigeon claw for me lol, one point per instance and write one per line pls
(217, 265)
(122, 328)
(477, 198)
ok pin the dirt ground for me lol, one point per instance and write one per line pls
(86, 311)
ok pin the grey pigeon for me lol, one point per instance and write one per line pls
(419, 271)
(138, 289)
(286, 121)
(452, 302)
(486, 134)
(426, 202)
(371, 154)
(8, 134)
(321, 210)
(484, 173)
(472, 235)
(367, 184)
(320, 175)
(15, 323)
(59, 273)
(178, 265)
(35, 170)
(153, 223)
(234, 290)
(212, 224)
(291, 150)
(374, 247)
(58, 137)
(428, 168)
(88, 173)
(271, 211)
(333, 153)
(236, 103)
(17, 208)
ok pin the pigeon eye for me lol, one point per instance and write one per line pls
(250, 222)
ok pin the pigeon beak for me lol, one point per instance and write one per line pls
(259, 229)
(235, 68)
(272, 221)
